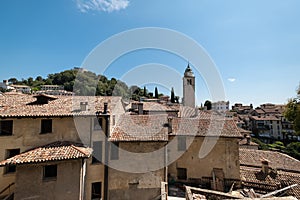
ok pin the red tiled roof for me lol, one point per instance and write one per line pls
(24, 105)
(154, 127)
(214, 126)
(51, 152)
(278, 160)
(265, 118)
(252, 177)
(140, 128)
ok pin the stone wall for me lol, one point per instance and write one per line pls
(30, 183)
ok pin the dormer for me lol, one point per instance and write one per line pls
(43, 99)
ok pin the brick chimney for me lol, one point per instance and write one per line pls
(265, 166)
(248, 138)
(140, 108)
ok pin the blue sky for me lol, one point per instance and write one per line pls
(254, 44)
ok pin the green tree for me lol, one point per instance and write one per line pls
(172, 95)
(156, 93)
(293, 149)
(13, 80)
(208, 104)
(292, 112)
(145, 91)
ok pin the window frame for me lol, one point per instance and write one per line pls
(47, 167)
(93, 192)
(181, 143)
(44, 128)
(114, 151)
(96, 124)
(11, 127)
(181, 173)
(97, 159)
(11, 168)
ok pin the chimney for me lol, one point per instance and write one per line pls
(140, 108)
(83, 106)
(134, 106)
(265, 166)
(170, 125)
(105, 108)
(248, 138)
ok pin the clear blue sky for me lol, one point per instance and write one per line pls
(255, 44)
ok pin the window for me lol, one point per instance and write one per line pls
(189, 81)
(46, 126)
(114, 153)
(6, 127)
(11, 153)
(97, 123)
(181, 145)
(114, 119)
(97, 152)
(181, 173)
(96, 191)
(50, 171)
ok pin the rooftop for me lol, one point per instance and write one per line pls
(140, 128)
(249, 157)
(61, 150)
(25, 105)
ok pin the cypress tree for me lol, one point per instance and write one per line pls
(156, 93)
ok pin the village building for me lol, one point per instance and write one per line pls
(267, 171)
(220, 106)
(85, 147)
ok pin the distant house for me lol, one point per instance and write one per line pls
(221, 106)
(52, 87)
(22, 88)
(4, 85)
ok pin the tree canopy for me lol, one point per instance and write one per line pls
(292, 112)
(83, 82)
(208, 104)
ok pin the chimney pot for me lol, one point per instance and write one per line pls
(83, 106)
(105, 108)
(265, 166)
(140, 108)
(248, 139)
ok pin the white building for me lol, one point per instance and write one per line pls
(4, 85)
(221, 106)
(52, 87)
(22, 88)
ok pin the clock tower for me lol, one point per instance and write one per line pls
(189, 88)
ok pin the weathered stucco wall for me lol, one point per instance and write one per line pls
(224, 155)
(30, 183)
(26, 135)
(144, 185)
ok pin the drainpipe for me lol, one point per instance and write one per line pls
(106, 117)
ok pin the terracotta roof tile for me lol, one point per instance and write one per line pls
(140, 128)
(51, 152)
(154, 127)
(278, 160)
(254, 178)
(24, 105)
(214, 126)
